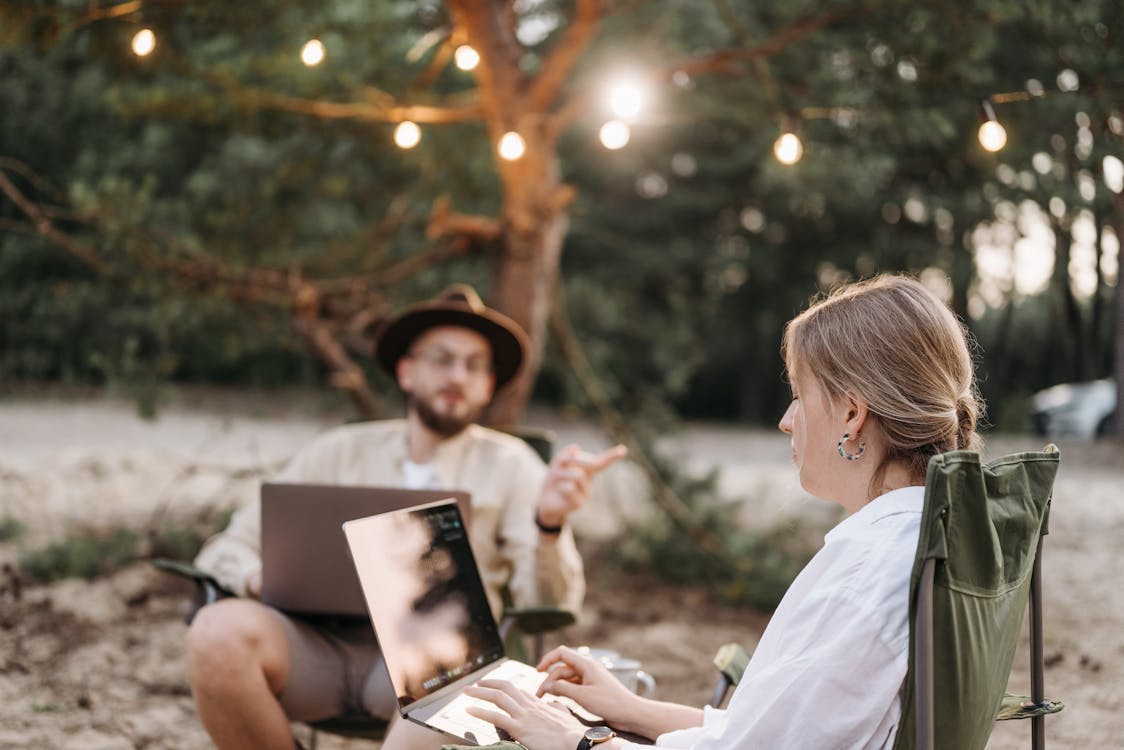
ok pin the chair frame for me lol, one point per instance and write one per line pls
(924, 670)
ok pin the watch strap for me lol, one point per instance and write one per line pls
(555, 530)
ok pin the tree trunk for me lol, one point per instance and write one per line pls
(525, 272)
(1118, 368)
(534, 200)
(1067, 315)
(1096, 314)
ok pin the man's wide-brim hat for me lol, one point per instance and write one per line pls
(459, 305)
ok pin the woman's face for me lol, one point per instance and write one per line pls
(815, 424)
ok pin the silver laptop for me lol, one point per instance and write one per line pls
(306, 568)
(431, 617)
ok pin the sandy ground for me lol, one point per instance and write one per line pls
(99, 664)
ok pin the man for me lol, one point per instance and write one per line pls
(252, 668)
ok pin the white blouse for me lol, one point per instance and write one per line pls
(828, 671)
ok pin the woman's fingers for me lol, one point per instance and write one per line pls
(495, 718)
(497, 692)
(558, 674)
(566, 656)
(560, 688)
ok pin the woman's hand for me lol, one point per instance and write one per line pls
(535, 723)
(586, 681)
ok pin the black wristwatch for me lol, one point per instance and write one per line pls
(595, 736)
(552, 530)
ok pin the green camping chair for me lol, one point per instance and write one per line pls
(978, 564)
(979, 560)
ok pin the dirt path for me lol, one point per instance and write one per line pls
(99, 664)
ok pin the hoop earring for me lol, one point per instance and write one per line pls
(843, 451)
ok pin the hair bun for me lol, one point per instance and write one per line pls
(967, 414)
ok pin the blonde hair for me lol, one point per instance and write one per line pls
(892, 342)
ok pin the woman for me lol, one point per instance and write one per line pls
(882, 381)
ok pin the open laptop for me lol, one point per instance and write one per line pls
(306, 568)
(431, 617)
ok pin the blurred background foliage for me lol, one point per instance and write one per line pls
(687, 250)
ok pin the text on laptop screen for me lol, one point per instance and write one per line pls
(425, 598)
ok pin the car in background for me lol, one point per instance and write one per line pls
(1081, 410)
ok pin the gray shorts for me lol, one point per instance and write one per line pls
(335, 668)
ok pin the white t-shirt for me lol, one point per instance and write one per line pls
(829, 669)
(420, 476)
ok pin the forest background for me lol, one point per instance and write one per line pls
(220, 211)
(231, 208)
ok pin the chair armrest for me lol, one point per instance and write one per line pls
(207, 589)
(731, 662)
(355, 726)
(535, 620)
(1023, 707)
(532, 622)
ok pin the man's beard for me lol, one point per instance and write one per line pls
(445, 425)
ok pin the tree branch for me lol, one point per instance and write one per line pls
(418, 262)
(346, 375)
(558, 65)
(112, 11)
(726, 60)
(444, 222)
(360, 111)
(45, 227)
(663, 493)
(723, 61)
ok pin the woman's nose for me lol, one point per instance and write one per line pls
(785, 424)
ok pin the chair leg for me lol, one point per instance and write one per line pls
(923, 660)
(720, 691)
(1037, 676)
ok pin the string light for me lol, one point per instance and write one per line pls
(144, 42)
(466, 58)
(787, 148)
(312, 53)
(512, 146)
(626, 99)
(407, 134)
(992, 135)
(614, 135)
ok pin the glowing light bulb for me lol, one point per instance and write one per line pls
(615, 134)
(144, 42)
(626, 98)
(512, 146)
(312, 53)
(407, 134)
(788, 149)
(992, 135)
(466, 58)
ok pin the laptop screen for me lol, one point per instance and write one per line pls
(425, 596)
(305, 565)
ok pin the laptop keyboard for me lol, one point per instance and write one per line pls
(455, 720)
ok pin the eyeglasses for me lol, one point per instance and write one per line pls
(443, 359)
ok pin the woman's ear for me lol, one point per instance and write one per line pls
(858, 410)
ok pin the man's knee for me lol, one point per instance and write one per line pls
(234, 634)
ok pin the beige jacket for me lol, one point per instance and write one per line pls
(502, 473)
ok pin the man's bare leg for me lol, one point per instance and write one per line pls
(237, 664)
